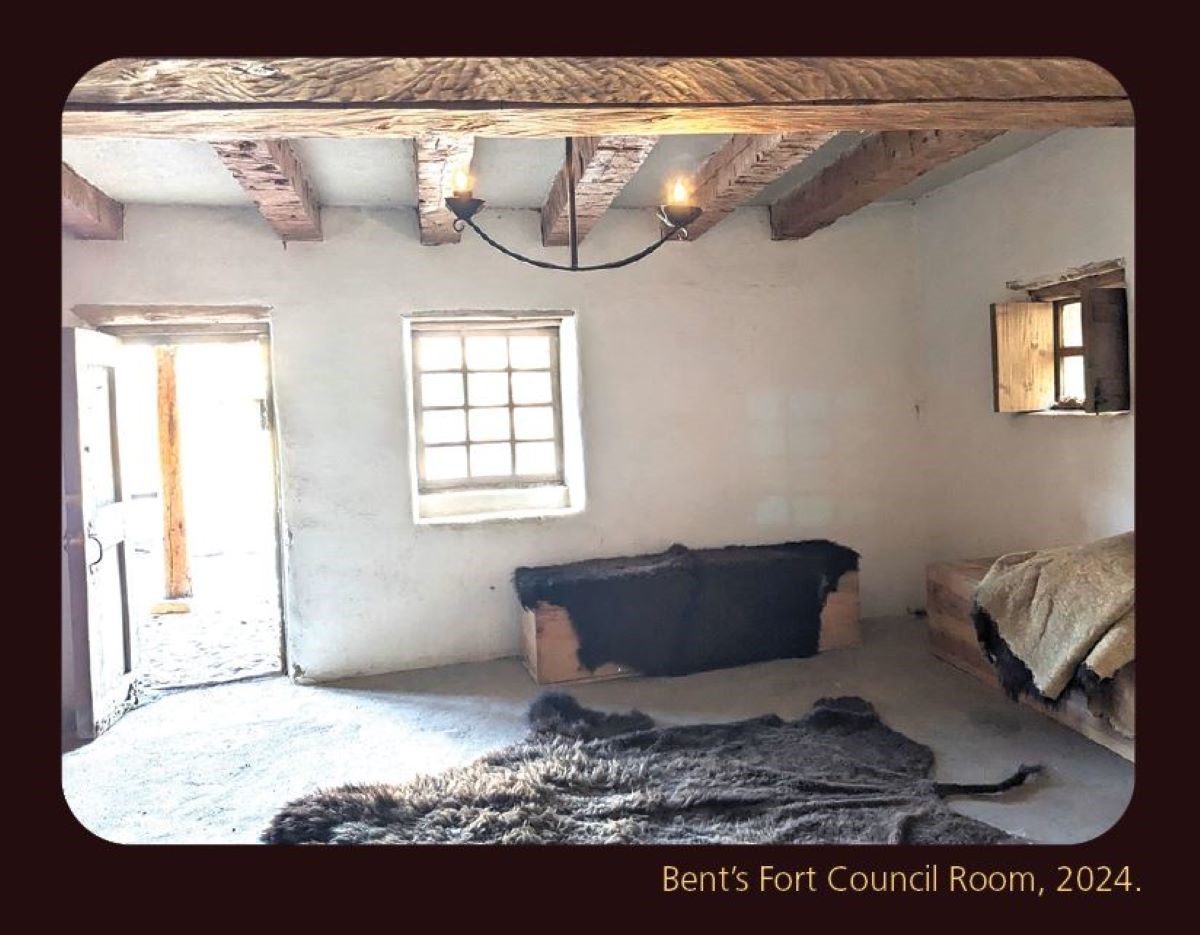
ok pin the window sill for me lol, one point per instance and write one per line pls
(471, 507)
(500, 516)
(1074, 413)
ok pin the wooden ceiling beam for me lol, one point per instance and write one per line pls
(231, 99)
(438, 156)
(603, 166)
(271, 173)
(88, 213)
(880, 164)
(742, 168)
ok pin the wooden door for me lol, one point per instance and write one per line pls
(102, 634)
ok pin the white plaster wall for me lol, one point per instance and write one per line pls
(1007, 482)
(735, 390)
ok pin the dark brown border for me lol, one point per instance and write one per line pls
(550, 887)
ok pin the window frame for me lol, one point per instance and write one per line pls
(470, 324)
(1030, 359)
(1061, 353)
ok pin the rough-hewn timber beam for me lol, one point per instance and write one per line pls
(742, 168)
(438, 157)
(880, 164)
(554, 97)
(603, 165)
(88, 213)
(271, 173)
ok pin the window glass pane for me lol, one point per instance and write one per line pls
(491, 460)
(534, 422)
(487, 352)
(445, 463)
(536, 458)
(489, 425)
(488, 389)
(533, 387)
(443, 425)
(530, 352)
(439, 352)
(1072, 325)
(441, 389)
(1073, 386)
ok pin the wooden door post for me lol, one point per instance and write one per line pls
(178, 578)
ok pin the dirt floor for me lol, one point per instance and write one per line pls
(214, 764)
(232, 627)
(208, 645)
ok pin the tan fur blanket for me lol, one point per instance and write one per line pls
(1058, 610)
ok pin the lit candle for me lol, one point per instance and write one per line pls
(679, 193)
(462, 184)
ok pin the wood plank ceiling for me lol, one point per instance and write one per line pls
(919, 113)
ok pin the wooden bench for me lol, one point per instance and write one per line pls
(549, 647)
(950, 587)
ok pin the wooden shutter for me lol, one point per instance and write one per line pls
(1022, 356)
(1106, 344)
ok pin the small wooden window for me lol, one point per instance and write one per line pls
(1066, 349)
(488, 405)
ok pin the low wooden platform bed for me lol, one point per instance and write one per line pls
(950, 587)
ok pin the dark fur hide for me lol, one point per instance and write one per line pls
(836, 775)
(687, 610)
(559, 714)
(1015, 677)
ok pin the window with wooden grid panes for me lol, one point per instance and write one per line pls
(488, 406)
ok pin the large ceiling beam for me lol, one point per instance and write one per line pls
(742, 168)
(438, 157)
(882, 163)
(603, 165)
(88, 213)
(553, 97)
(271, 173)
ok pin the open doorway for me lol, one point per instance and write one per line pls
(198, 465)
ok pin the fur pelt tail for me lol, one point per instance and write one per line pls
(983, 788)
(559, 713)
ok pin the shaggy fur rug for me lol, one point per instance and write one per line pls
(837, 775)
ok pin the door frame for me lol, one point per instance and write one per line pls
(176, 324)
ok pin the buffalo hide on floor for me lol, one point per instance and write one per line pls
(837, 775)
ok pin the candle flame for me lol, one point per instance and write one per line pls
(679, 193)
(462, 181)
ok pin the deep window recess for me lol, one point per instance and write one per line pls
(1067, 348)
(488, 414)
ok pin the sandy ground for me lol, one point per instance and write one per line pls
(214, 764)
(231, 631)
(209, 644)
